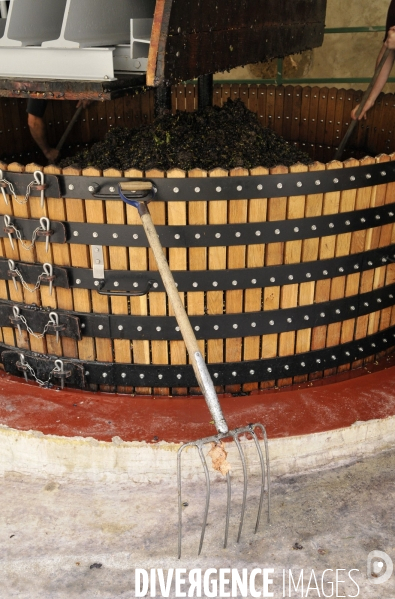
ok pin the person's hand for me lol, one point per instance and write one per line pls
(364, 110)
(52, 155)
(390, 41)
(84, 103)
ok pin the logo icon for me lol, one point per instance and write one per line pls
(379, 566)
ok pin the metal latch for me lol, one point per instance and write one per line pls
(97, 263)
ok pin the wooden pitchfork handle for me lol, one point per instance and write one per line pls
(365, 96)
(198, 364)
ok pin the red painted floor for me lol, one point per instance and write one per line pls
(326, 404)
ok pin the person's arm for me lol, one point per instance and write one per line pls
(39, 134)
(381, 79)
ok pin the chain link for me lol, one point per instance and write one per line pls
(12, 191)
(39, 381)
(29, 330)
(25, 285)
(19, 236)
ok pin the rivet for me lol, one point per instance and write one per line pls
(71, 187)
(352, 178)
(78, 281)
(308, 275)
(135, 284)
(279, 185)
(322, 314)
(272, 279)
(370, 263)
(377, 217)
(336, 180)
(333, 357)
(218, 189)
(299, 184)
(197, 328)
(390, 296)
(234, 373)
(368, 176)
(252, 371)
(325, 272)
(318, 182)
(141, 376)
(104, 375)
(373, 344)
(235, 326)
(271, 322)
(257, 233)
(197, 236)
(216, 375)
(385, 340)
(160, 376)
(91, 188)
(178, 376)
(253, 324)
(290, 277)
(215, 284)
(348, 223)
(360, 348)
(197, 189)
(216, 327)
(158, 328)
(218, 235)
(318, 361)
(352, 307)
(123, 375)
(120, 328)
(100, 327)
(303, 364)
(347, 353)
(277, 231)
(135, 236)
(289, 320)
(239, 188)
(97, 283)
(366, 304)
(253, 281)
(269, 369)
(155, 285)
(260, 187)
(379, 300)
(331, 225)
(112, 189)
(286, 367)
(75, 233)
(337, 311)
(383, 173)
(139, 328)
(178, 329)
(363, 220)
(341, 269)
(356, 266)
(116, 284)
(234, 282)
(83, 325)
(176, 190)
(306, 317)
(95, 234)
(194, 284)
(313, 228)
(238, 234)
(115, 235)
(296, 229)
(384, 260)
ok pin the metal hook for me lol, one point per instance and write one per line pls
(23, 365)
(7, 222)
(44, 225)
(48, 271)
(11, 266)
(2, 189)
(39, 180)
(54, 321)
(17, 317)
(59, 368)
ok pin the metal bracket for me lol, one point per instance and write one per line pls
(45, 368)
(111, 293)
(97, 263)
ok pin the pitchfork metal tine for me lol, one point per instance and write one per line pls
(243, 462)
(208, 489)
(229, 497)
(259, 425)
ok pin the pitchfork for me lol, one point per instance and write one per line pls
(138, 196)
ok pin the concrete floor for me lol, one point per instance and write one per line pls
(53, 532)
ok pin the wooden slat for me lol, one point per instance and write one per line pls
(262, 97)
(237, 213)
(310, 250)
(277, 210)
(292, 255)
(257, 212)
(287, 112)
(138, 260)
(226, 93)
(253, 98)
(197, 259)
(217, 215)
(158, 301)
(340, 101)
(279, 110)
(331, 204)
(270, 106)
(118, 258)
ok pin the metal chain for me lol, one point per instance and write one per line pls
(39, 381)
(25, 285)
(19, 236)
(29, 330)
(12, 191)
